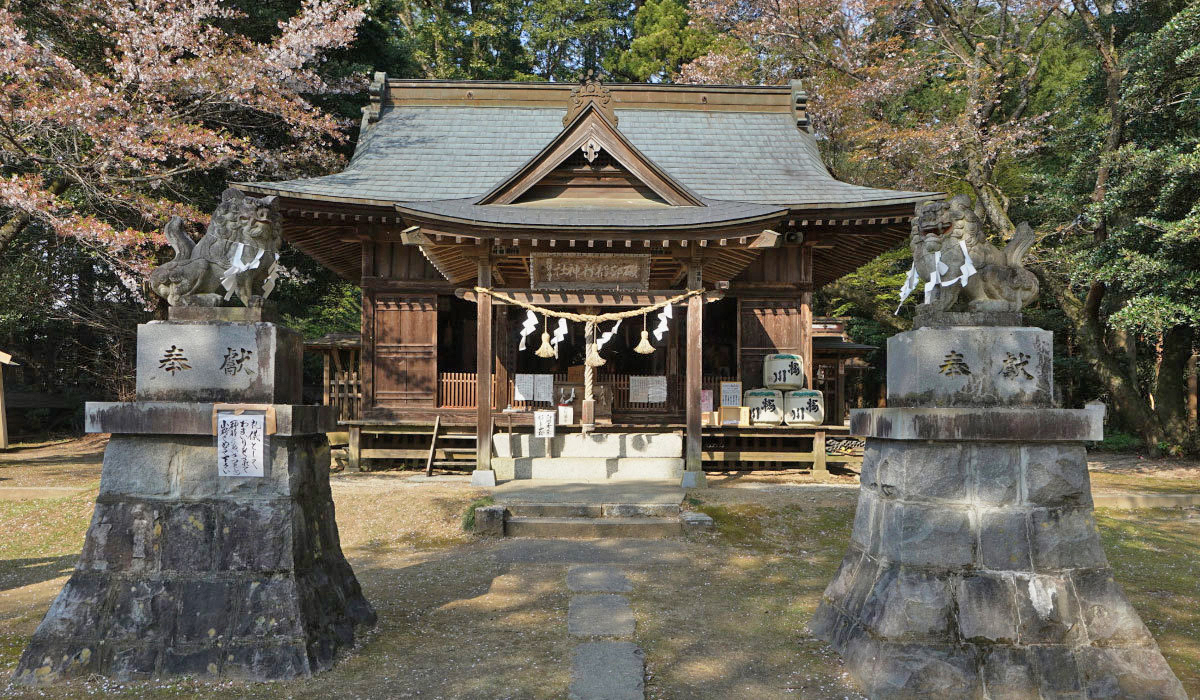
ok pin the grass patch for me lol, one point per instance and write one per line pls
(740, 523)
(468, 518)
(1143, 483)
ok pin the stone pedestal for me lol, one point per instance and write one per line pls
(187, 572)
(975, 569)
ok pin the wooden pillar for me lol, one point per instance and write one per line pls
(840, 395)
(483, 368)
(503, 343)
(693, 373)
(354, 450)
(820, 470)
(806, 314)
(3, 415)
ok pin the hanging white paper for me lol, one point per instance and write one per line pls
(935, 276)
(656, 389)
(241, 443)
(559, 334)
(910, 285)
(543, 387)
(566, 415)
(605, 337)
(528, 326)
(706, 400)
(523, 387)
(663, 317)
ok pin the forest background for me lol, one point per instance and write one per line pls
(1081, 117)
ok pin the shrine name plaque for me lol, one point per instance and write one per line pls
(599, 271)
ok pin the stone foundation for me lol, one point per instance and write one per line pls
(187, 572)
(975, 569)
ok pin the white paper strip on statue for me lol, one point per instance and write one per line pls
(935, 276)
(236, 267)
(559, 334)
(528, 326)
(968, 266)
(663, 317)
(910, 285)
(605, 337)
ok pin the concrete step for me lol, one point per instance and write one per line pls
(592, 510)
(593, 528)
(589, 469)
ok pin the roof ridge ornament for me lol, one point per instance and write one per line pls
(590, 90)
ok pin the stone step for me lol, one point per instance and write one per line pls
(589, 469)
(593, 510)
(608, 445)
(592, 528)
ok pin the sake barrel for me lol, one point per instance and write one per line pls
(804, 407)
(783, 372)
(766, 406)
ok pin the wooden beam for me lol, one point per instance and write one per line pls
(586, 298)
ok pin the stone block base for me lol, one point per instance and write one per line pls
(975, 571)
(184, 572)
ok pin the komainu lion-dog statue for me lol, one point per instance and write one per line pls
(1000, 281)
(238, 254)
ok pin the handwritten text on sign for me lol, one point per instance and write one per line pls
(543, 423)
(241, 444)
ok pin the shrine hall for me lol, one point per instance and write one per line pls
(628, 255)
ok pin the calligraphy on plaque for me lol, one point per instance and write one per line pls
(543, 423)
(241, 444)
(613, 271)
(706, 400)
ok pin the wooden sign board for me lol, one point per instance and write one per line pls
(731, 394)
(543, 423)
(600, 271)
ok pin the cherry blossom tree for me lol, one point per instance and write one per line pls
(116, 114)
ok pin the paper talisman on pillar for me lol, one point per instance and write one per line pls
(241, 443)
(543, 423)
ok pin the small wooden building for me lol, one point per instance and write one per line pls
(467, 203)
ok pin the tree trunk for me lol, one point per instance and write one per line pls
(1171, 385)
(1128, 403)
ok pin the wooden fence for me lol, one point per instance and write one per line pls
(343, 391)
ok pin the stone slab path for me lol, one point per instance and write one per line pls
(604, 669)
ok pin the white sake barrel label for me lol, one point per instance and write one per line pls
(804, 407)
(783, 371)
(766, 406)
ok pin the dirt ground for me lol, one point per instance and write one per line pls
(719, 616)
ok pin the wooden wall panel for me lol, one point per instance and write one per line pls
(402, 262)
(772, 326)
(404, 370)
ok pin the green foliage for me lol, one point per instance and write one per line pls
(468, 518)
(663, 41)
(1118, 441)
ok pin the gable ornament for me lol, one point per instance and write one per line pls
(590, 90)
